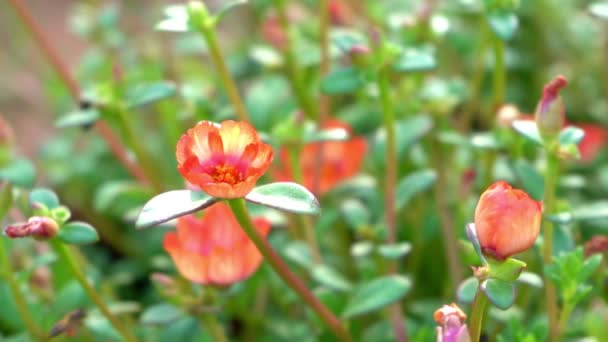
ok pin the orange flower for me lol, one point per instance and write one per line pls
(341, 160)
(214, 250)
(593, 142)
(507, 220)
(224, 160)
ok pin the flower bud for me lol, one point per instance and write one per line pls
(38, 227)
(506, 114)
(507, 221)
(550, 112)
(451, 324)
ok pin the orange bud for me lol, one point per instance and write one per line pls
(224, 160)
(214, 250)
(340, 161)
(507, 220)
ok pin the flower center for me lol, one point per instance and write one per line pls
(225, 173)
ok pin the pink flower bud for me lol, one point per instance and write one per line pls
(451, 324)
(38, 227)
(550, 112)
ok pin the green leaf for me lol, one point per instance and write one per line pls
(44, 196)
(61, 214)
(330, 134)
(395, 251)
(355, 213)
(412, 60)
(589, 266)
(376, 294)
(571, 136)
(176, 21)
(342, 81)
(144, 94)
(531, 181)
(528, 130)
(466, 290)
(160, 314)
(501, 293)
(330, 278)
(503, 24)
(172, 204)
(80, 118)
(591, 211)
(507, 270)
(285, 196)
(19, 172)
(599, 9)
(227, 8)
(78, 233)
(531, 279)
(413, 184)
(299, 253)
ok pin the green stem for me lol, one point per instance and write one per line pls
(208, 32)
(298, 86)
(564, 317)
(305, 223)
(214, 328)
(22, 308)
(390, 183)
(499, 78)
(551, 177)
(476, 81)
(69, 260)
(239, 209)
(441, 162)
(477, 312)
(143, 157)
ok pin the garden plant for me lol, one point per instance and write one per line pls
(306, 170)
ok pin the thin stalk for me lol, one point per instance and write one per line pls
(476, 81)
(477, 312)
(239, 209)
(143, 157)
(306, 224)
(551, 177)
(68, 259)
(64, 74)
(446, 219)
(20, 302)
(214, 328)
(390, 183)
(499, 77)
(208, 32)
(499, 80)
(324, 100)
(564, 317)
(296, 79)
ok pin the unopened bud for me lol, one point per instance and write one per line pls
(506, 115)
(38, 227)
(198, 15)
(359, 55)
(451, 321)
(550, 112)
